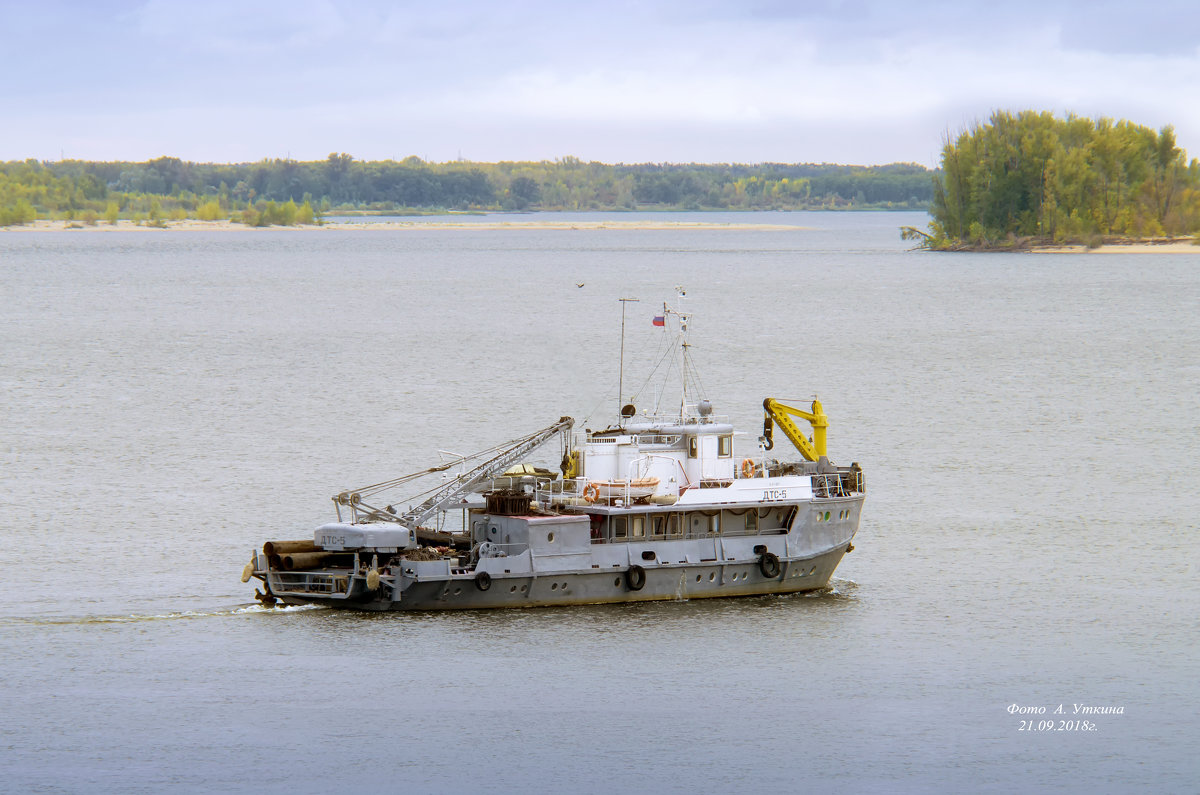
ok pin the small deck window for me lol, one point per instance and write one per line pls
(693, 447)
(665, 526)
(619, 525)
(724, 446)
(637, 527)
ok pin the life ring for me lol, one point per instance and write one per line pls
(483, 581)
(747, 467)
(768, 564)
(635, 578)
(591, 492)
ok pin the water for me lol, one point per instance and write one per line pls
(171, 400)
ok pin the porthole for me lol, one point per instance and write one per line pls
(457, 591)
(617, 582)
(712, 576)
(697, 578)
(553, 586)
(563, 586)
(812, 570)
(550, 538)
(827, 516)
(512, 589)
(524, 588)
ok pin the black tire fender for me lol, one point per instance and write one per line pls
(768, 564)
(635, 578)
(483, 581)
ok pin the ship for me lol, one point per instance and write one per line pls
(652, 507)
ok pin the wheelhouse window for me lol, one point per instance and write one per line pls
(693, 447)
(725, 446)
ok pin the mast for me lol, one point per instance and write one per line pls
(621, 376)
(680, 295)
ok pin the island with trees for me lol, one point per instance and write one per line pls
(287, 192)
(1031, 179)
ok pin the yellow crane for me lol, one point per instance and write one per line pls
(781, 414)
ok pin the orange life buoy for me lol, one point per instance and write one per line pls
(591, 493)
(747, 467)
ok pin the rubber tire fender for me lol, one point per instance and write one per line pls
(768, 564)
(483, 581)
(635, 578)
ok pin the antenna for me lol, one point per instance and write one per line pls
(621, 377)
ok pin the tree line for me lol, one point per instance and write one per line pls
(168, 188)
(1031, 177)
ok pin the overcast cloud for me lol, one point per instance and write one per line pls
(860, 81)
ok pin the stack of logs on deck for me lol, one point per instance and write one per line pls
(292, 555)
(289, 555)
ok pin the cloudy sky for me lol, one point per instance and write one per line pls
(846, 81)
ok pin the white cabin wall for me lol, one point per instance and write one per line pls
(602, 460)
(668, 467)
(712, 465)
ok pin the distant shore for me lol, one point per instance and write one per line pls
(190, 225)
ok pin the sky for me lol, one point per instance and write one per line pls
(836, 81)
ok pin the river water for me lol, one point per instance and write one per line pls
(1027, 425)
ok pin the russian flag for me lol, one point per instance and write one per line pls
(660, 320)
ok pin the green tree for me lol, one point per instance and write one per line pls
(1031, 175)
(209, 210)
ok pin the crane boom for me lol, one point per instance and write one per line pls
(781, 414)
(468, 480)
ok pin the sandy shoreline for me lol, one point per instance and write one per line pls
(1176, 246)
(385, 226)
(1184, 246)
